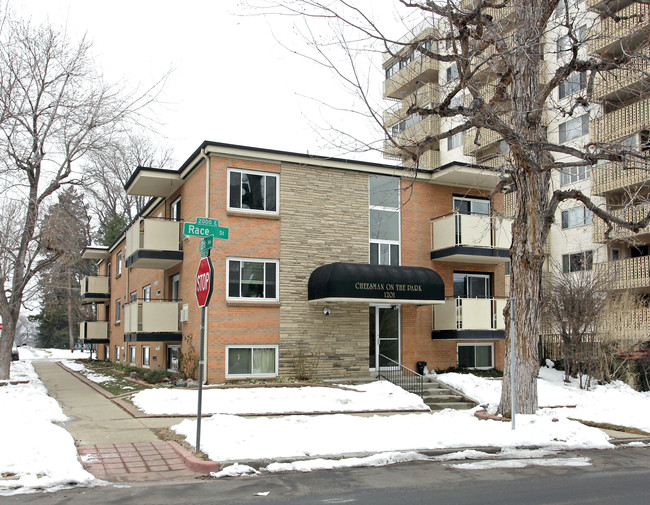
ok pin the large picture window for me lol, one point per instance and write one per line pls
(252, 278)
(475, 355)
(574, 128)
(252, 191)
(471, 285)
(251, 361)
(577, 262)
(578, 216)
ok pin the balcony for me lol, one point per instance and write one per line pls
(95, 289)
(613, 176)
(632, 213)
(405, 81)
(428, 160)
(473, 318)
(153, 243)
(467, 238)
(630, 80)
(621, 122)
(629, 273)
(94, 332)
(423, 96)
(486, 137)
(631, 30)
(152, 321)
(412, 136)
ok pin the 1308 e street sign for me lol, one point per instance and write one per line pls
(204, 278)
(204, 227)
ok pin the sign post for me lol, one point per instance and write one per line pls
(209, 229)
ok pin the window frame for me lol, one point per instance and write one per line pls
(168, 347)
(475, 345)
(175, 209)
(240, 171)
(455, 141)
(118, 261)
(118, 311)
(252, 347)
(263, 261)
(583, 213)
(146, 293)
(563, 129)
(394, 257)
(133, 354)
(146, 352)
(573, 175)
(486, 277)
(582, 261)
(471, 200)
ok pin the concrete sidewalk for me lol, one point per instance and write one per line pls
(114, 445)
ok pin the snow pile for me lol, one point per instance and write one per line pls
(31, 353)
(371, 397)
(615, 403)
(233, 438)
(36, 454)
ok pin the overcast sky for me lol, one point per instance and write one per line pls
(231, 79)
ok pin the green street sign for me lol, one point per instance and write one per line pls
(205, 245)
(205, 227)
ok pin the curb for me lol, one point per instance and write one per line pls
(194, 463)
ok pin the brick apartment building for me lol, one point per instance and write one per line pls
(355, 261)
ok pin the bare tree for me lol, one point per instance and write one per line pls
(498, 83)
(54, 110)
(107, 171)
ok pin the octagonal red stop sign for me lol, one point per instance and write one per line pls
(204, 282)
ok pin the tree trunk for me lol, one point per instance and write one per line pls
(70, 321)
(530, 227)
(9, 322)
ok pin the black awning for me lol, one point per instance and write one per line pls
(362, 283)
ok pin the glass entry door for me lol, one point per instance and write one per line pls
(384, 336)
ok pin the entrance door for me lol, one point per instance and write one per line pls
(384, 336)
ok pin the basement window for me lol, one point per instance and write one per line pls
(479, 356)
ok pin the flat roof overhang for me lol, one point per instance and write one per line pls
(465, 176)
(363, 283)
(153, 182)
(95, 253)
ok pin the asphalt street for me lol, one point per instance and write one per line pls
(620, 476)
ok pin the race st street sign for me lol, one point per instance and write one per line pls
(205, 227)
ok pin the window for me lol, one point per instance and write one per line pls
(108, 269)
(173, 352)
(252, 191)
(117, 353)
(146, 293)
(565, 43)
(574, 128)
(146, 356)
(118, 311)
(508, 268)
(384, 220)
(454, 141)
(576, 217)
(176, 209)
(176, 287)
(119, 264)
(132, 349)
(471, 285)
(405, 124)
(573, 84)
(133, 297)
(472, 206)
(614, 254)
(644, 136)
(574, 174)
(251, 278)
(475, 355)
(452, 72)
(577, 262)
(561, 6)
(252, 360)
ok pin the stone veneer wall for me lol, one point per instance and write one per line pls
(324, 220)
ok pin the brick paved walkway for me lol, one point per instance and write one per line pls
(134, 462)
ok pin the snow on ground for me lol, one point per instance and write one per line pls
(95, 377)
(375, 396)
(36, 454)
(233, 438)
(614, 403)
(31, 353)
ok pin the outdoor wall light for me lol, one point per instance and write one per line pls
(326, 311)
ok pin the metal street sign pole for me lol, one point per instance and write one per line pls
(198, 408)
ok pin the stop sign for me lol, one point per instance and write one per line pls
(204, 282)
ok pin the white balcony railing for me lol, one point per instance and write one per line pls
(470, 314)
(470, 230)
(93, 330)
(151, 317)
(94, 288)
